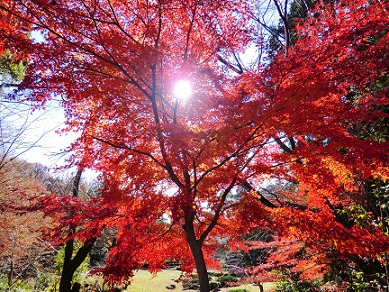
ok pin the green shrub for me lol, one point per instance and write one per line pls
(214, 285)
(226, 280)
(194, 279)
(18, 285)
(360, 284)
(191, 283)
(238, 290)
(297, 286)
(46, 281)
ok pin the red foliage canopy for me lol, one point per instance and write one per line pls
(115, 64)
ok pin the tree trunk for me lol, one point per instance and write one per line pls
(260, 286)
(197, 252)
(201, 268)
(68, 269)
(65, 284)
(11, 273)
(71, 263)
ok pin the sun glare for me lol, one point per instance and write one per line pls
(182, 89)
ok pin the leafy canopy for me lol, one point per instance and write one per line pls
(183, 171)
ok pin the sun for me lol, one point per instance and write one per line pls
(182, 89)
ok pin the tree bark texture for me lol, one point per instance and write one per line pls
(197, 252)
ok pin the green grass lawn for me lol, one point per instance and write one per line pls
(146, 282)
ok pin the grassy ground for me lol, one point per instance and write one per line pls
(145, 282)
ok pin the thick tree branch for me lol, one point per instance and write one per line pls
(258, 195)
(238, 70)
(282, 145)
(129, 148)
(283, 15)
(218, 211)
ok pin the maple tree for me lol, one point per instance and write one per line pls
(354, 192)
(366, 206)
(179, 171)
(71, 262)
(22, 248)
